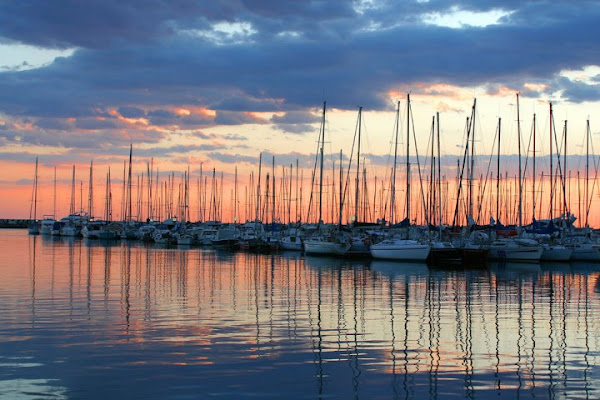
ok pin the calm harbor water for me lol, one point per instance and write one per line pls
(89, 320)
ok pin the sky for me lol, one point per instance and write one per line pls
(218, 82)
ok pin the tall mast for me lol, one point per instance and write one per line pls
(564, 180)
(129, 213)
(431, 197)
(235, 201)
(551, 167)
(587, 170)
(472, 169)
(520, 180)
(356, 194)
(533, 180)
(91, 191)
(202, 196)
(273, 191)
(35, 185)
(498, 173)
(439, 174)
(322, 136)
(258, 187)
(393, 205)
(341, 190)
(297, 198)
(408, 156)
(290, 182)
(72, 205)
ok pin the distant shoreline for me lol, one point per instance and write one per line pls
(14, 223)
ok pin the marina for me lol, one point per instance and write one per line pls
(299, 200)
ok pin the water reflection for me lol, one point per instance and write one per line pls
(195, 322)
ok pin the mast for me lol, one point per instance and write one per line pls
(35, 186)
(273, 191)
(129, 214)
(235, 201)
(564, 179)
(202, 196)
(72, 205)
(533, 180)
(587, 171)
(520, 180)
(297, 198)
(551, 168)
(472, 169)
(91, 191)
(393, 201)
(341, 190)
(322, 136)
(356, 194)
(408, 156)
(431, 197)
(439, 177)
(498, 173)
(258, 187)
(107, 200)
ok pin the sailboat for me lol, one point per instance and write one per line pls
(442, 252)
(396, 248)
(551, 251)
(47, 223)
(325, 242)
(515, 249)
(34, 228)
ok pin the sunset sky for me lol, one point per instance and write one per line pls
(219, 82)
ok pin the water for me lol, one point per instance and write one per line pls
(87, 320)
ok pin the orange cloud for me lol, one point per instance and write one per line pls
(182, 111)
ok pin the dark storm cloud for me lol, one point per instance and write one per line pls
(132, 112)
(296, 122)
(54, 123)
(236, 118)
(95, 124)
(578, 91)
(99, 23)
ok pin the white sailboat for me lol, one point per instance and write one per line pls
(396, 248)
(519, 249)
(33, 227)
(400, 249)
(323, 243)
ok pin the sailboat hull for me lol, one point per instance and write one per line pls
(325, 248)
(556, 253)
(404, 250)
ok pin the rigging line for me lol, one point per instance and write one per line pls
(347, 183)
(487, 175)
(462, 170)
(312, 183)
(419, 167)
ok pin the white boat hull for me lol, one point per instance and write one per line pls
(400, 251)
(69, 231)
(585, 252)
(288, 245)
(523, 254)
(325, 248)
(185, 241)
(556, 253)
